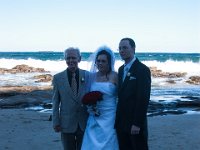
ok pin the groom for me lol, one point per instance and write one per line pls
(69, 115)
(133, 99)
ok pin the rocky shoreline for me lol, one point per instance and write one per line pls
(30, 96)
(46, 77)
(16, 97)
(172, 76)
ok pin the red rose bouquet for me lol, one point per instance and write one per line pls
(91, 99)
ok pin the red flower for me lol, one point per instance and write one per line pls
(92, 97)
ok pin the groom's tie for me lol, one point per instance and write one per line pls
(74, 85)
(125, 72)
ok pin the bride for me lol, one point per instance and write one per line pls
(100, 133)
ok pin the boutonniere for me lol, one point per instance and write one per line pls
(128, 74)
(82, 80)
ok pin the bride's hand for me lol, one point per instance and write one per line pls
(89, 109)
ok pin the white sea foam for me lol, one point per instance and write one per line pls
(20, 79)
(189, 67)
(55, 66)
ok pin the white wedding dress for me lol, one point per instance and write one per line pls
(100, 133)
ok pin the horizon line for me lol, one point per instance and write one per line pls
(92, 52)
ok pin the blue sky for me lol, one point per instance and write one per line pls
(54, 25)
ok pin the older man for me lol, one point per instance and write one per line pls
(69, 115)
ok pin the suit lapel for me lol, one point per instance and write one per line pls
(121, 72)
(66, 85)
(131, 72)
(81, 78)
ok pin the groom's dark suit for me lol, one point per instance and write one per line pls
(133, 99)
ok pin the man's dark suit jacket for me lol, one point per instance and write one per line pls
(133, 97)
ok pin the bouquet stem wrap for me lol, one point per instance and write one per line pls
(91, 99)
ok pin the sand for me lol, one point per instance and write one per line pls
(174, 132)
(30, 130)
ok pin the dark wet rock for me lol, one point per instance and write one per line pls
(190, 104)
(194, 80)
(24, 96)
(33, 98)
(191, 97)
(197, 109)
(3, 95)
(154, 106)
(162, 107)
(171, 81)
(47, 105)
(166, 112)
(28, 96)
(10, 91)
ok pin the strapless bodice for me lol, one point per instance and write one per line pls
(107, 88)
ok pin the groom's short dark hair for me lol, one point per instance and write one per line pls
(131, 41)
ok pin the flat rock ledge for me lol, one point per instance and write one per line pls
(195, 80)
(21, 69)
(22, 97)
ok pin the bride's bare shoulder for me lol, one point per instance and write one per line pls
(113, 74)
(113, 77)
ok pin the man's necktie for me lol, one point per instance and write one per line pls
(125, 72)
(74, 85)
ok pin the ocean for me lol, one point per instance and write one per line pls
(162, 90)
